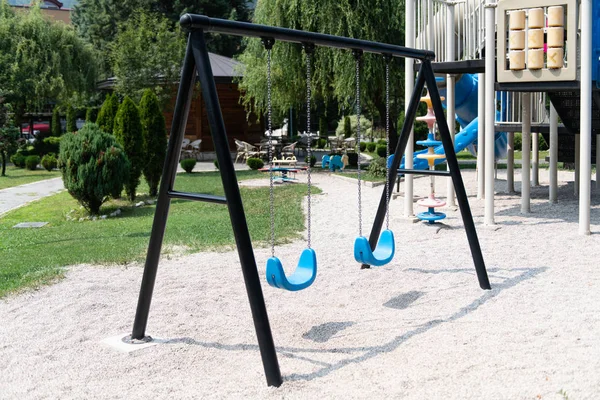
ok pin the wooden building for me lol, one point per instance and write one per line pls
(237, 124)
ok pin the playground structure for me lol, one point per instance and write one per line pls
(371, 251)
(547, 51)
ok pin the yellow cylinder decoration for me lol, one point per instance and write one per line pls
(535, 38)
(516, 40)
(517, 60)
(535, 59)
(555, 57)
(556, 16)
(535, 18)
(556, 37)
(517, 20)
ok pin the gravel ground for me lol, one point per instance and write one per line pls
(417, 328)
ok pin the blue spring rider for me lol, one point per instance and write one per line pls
(306, 271)
(386, 247)
(333, 162)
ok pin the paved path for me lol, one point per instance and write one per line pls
(18, 196)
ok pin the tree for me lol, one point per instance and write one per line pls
(147, 54)
(347, 127)
(106, 116)
(71, 119)
(91, 113)
(155, 139)
(9, 135)
(377, 20)
(323, 128)
(99, 21)
(56, 128)
(41, 61)
(93, 166)
(128, 132)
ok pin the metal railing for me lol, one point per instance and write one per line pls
(512, 104)
(468, 27)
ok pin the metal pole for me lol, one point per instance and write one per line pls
(450, 98)
(585, 118)
(236, 211)
(535, 159)
(409, 83)
(402, 144)
(577, 164)
(490, 108)
(553, 154)
(597, 162)
(526, 154)
(461, 194)
(510, 163)
(180, 115)
(481, 136)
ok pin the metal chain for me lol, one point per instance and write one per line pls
(270, 152)
(308, 94)
(357, 55)
(387, 144)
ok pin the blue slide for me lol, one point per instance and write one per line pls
(466, 115)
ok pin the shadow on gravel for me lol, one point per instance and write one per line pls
(360, 354)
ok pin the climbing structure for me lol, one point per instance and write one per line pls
(430, 202)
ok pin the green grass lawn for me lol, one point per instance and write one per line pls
(20, 176)
(29, 257)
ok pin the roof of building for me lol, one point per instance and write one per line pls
(63, 4)
(224, 69)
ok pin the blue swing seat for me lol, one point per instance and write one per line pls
(303, 277)
(383, 253)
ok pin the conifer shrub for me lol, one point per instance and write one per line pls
(56, 128)
(154, 133)
(323, 126)
(71, 119)
(93, 166)
(371, 147)
(363, 146)
(49, 162)
(321, 142)
(18, 159)
(128, 132)
(91, 113)
(381, 150)
(255, 163)
(107, 114)
(347, 127)
(188, 164)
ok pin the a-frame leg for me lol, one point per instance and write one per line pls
(180, 115)
(236, 211)
(409, 121)
(459, 187)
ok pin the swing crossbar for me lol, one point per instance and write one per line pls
(207, 198)
(423, 172)
(247, 29)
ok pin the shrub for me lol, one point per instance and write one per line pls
(18, 159)
(255, 163)
(93, 166)
(363, 146)
(56, 128)
(365, 126)
(188, 164)
(381, 150)
(353, 159)
(323, 126)
(377, 168)
(49, 145)
(518, 142)
(154, 133)
(543, 146)
(107, 114)
(128, 132)
(382, 141)
(71, 119)
(313, 161)
(216, 162)
(31, 162)
(371, 147)
(347, 127)
(91, 113)
(49, 162)
(321, 143)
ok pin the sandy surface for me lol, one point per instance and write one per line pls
(419, 328)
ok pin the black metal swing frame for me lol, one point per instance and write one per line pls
(196, 60)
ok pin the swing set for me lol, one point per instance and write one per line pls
(377, 250)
